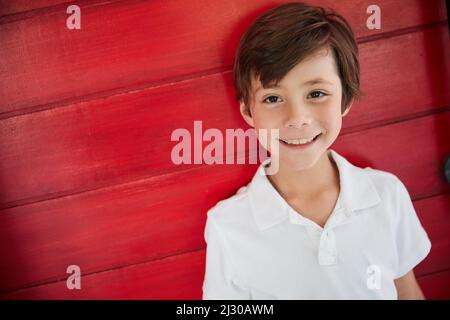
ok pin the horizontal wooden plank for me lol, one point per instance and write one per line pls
(143, 43)
(414, 150)
(21, 8)
(436, 286)
(398, 84)
(98, 143)
(175, 278)
(112, 227)
(16, 6)
(164, 215)
(165, 279)
(434, 214)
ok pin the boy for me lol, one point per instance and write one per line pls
(319, 227)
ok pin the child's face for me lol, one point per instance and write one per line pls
(300, 109)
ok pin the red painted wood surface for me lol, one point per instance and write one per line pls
(124, 45)
(85, 123)
(159, 216)
(8, 7)
(107, 141)
(435, 286)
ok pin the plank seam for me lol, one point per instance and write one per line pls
(175, 171)
(142, 87)
(29, 14)
(118, 267)
(151, 261)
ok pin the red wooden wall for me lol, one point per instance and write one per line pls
(86, 117)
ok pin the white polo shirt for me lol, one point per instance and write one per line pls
(258, 247)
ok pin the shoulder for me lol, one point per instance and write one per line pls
(388, 185)
(382, 179)
(367, 184)
(232, 210)
(395, 205)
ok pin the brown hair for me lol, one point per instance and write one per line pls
(283, 36)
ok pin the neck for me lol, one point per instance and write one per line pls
(306, 184)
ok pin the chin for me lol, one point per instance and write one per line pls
(300, 162)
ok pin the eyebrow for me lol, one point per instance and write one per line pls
(306, 83)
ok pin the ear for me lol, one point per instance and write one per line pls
(348, 109)
(246, 114)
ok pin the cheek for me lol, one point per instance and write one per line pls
(333, 123)
(331, 111)
(267, 136)
(267, 130)
(266, 120)
(260, 126)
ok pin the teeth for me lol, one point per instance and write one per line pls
(299, 141)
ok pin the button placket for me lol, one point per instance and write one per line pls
(314, 234)
(327, 253)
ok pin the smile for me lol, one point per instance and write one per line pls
(299, 142)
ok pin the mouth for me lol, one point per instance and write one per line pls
(299, 143)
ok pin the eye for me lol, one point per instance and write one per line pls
(317, 94)
(271, 99)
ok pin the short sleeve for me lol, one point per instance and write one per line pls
(413, 244)
(218, 283)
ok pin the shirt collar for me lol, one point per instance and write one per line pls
(269, 208)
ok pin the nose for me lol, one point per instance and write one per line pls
(297, 115)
